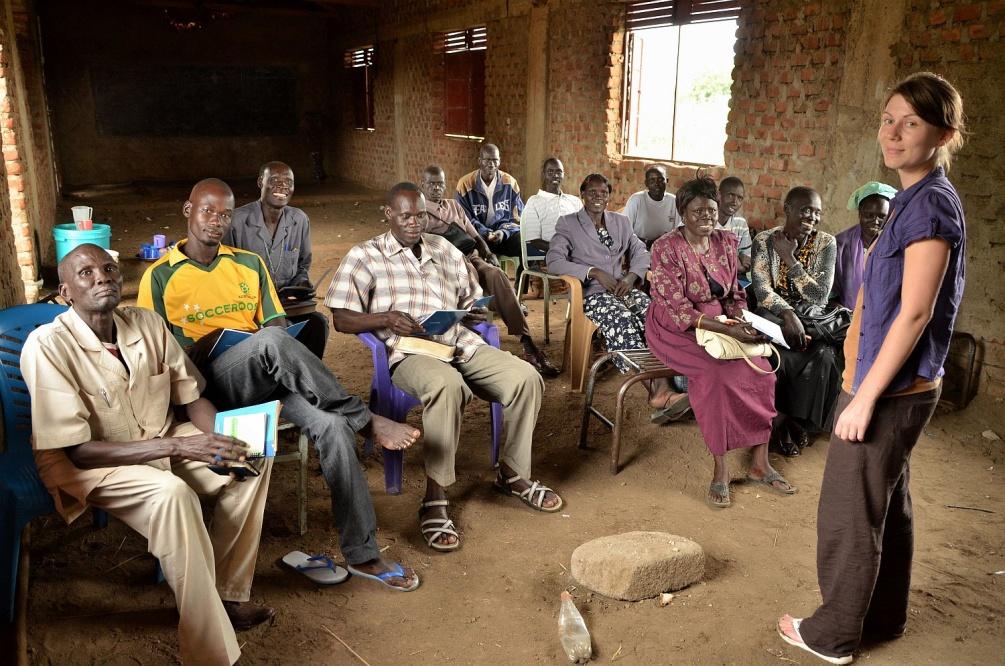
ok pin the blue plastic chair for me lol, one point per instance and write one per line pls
(22, 495)
(391, 402)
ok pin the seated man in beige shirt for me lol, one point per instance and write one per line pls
(441, 213)
(385, 285)
(103, 384)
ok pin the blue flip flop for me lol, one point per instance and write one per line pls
(396, 571)
(319, 568)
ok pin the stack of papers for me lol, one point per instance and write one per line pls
(766, 326)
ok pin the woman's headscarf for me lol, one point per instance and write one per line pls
(869, 189)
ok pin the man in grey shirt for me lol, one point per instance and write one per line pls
(280, 235)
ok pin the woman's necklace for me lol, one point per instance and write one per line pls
(700, 248)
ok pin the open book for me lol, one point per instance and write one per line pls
(441, 321)
(258, 427)
(231, 337)
(766, 326)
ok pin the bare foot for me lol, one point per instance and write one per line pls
(391, 434)
(660, 399)
(785, 626)
(378, 566)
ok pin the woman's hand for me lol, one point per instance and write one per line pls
(793, 331)
(744, 332)
(853, 422)
(785, 248)
(606, 280)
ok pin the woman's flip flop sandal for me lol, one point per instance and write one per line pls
(770, 479)
(319, 568)
(720, 489)
(803, 646)
(435, 527)
(396, 571)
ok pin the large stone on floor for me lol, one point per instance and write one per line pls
(638, 565)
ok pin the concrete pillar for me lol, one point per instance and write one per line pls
(400, 87)
(869, 71)
(536, 148)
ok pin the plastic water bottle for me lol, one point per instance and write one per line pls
(572, 632)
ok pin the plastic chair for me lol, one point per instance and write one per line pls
(22, 494)
(546, 279)
(391, 402)
(506, 260)
(579, 330)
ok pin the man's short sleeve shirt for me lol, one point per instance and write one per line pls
(234, 291)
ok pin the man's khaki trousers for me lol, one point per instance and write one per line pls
(202, 567)
(445, 389)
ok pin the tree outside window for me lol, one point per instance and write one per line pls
(678, 74)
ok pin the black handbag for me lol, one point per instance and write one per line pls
(829, 326)
(466, 244)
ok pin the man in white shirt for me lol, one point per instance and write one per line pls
(542, 212)
(653, 211)
(544, 208)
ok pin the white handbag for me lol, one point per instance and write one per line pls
(725, 347)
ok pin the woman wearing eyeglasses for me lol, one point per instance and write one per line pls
(694, 281)
(794, 269)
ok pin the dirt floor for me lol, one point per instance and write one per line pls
(92, 598)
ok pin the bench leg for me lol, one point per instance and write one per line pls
(302, 486)
(619, 417)
(591, 384)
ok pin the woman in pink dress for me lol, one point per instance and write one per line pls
(694, 281)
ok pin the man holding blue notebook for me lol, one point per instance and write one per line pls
(200, 288)
(386, 285)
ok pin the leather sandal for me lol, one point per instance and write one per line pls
(533, 495)
(435, 527)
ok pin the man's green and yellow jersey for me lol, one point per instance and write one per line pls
(235, 291)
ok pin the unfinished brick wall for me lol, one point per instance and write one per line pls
(35, 141)
(788, 65)
(964, 42)
(369, 158)
(13, 233)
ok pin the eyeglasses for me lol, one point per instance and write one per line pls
(698, 213)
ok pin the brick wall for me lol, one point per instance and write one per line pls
(13, 232)
(808, 83)
(120, 34)
(789, 60)
(369, 157)
(964, 42)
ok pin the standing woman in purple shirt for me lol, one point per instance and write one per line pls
(894, 353)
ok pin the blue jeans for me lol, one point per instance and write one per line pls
(271, 365)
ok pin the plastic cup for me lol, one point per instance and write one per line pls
(85, 225)
(160, 240)
(81, 213)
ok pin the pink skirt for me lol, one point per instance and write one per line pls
(733, 404)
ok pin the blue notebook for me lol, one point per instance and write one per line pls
(231, 337)
(442, 321)
(257, 426)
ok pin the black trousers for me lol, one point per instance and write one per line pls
(315, 333)
(865, 529)
(510, 247)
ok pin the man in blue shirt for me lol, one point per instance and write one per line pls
(491, 199)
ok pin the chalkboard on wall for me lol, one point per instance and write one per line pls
(194, 100)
